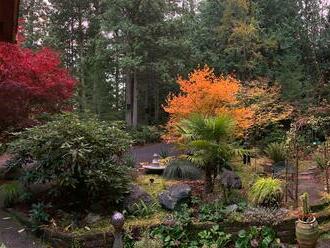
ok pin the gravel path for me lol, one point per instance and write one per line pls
(13, 235)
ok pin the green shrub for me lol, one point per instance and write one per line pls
(257, 237)
(211, 238)
(321, 162)
(276, 152)
(38, 213)
(266, 192)
(211, 212)
(182, 169)
(3, 148)
(11, 192)
(81, 158)
(146, 134)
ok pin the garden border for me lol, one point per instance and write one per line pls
(285, 230)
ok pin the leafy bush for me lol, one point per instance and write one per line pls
(38, 213)
(321, 162)
(182, 169)
(3, 148)
(276, 152)
(257, 237)
(171, 236)
(211, 238)
(211, 212)
(11, 192)
(80, 157)
(146, 134)
(266, 192)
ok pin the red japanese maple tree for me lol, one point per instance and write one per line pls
(30, 83)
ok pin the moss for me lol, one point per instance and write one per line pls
(152, 220)
(104, 225)
(154, 188)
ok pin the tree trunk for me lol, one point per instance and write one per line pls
(117, 90)
(156, 117)
(208, 180)
(135, 101)
(327, 179)
(129, 95)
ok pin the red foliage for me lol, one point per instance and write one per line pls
(30, 83)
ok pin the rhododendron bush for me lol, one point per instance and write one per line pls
(209, 95)
(30, 83)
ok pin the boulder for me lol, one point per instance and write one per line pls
(136, 195)
(231, 208)
(230, 179)
(174, 195)
(92, 218)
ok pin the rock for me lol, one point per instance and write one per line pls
(136, 195)
(231, 208)
(230, 179)
(92, 218)
(174, 195)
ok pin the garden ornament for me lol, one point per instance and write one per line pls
(117, 220)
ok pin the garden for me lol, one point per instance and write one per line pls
(176, 124)
(68, 177)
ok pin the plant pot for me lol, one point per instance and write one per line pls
(307, 233)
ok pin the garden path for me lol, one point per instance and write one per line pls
(310, 181)
(13, 235)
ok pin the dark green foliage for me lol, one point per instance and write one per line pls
(211, 238)
(141, 209)
(146, 134)
(211, 212)
(82, 158)
(38, 213)
(277, 152)
(164, 154)
(182, 169)
(210, 141)
(11, 193)
(257, 237)
(3, 148)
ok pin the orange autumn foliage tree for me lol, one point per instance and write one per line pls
(209, 95)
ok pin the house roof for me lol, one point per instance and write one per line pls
(8, 20)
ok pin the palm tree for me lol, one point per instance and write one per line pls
(209, 140)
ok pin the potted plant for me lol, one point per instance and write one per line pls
(307, 232)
